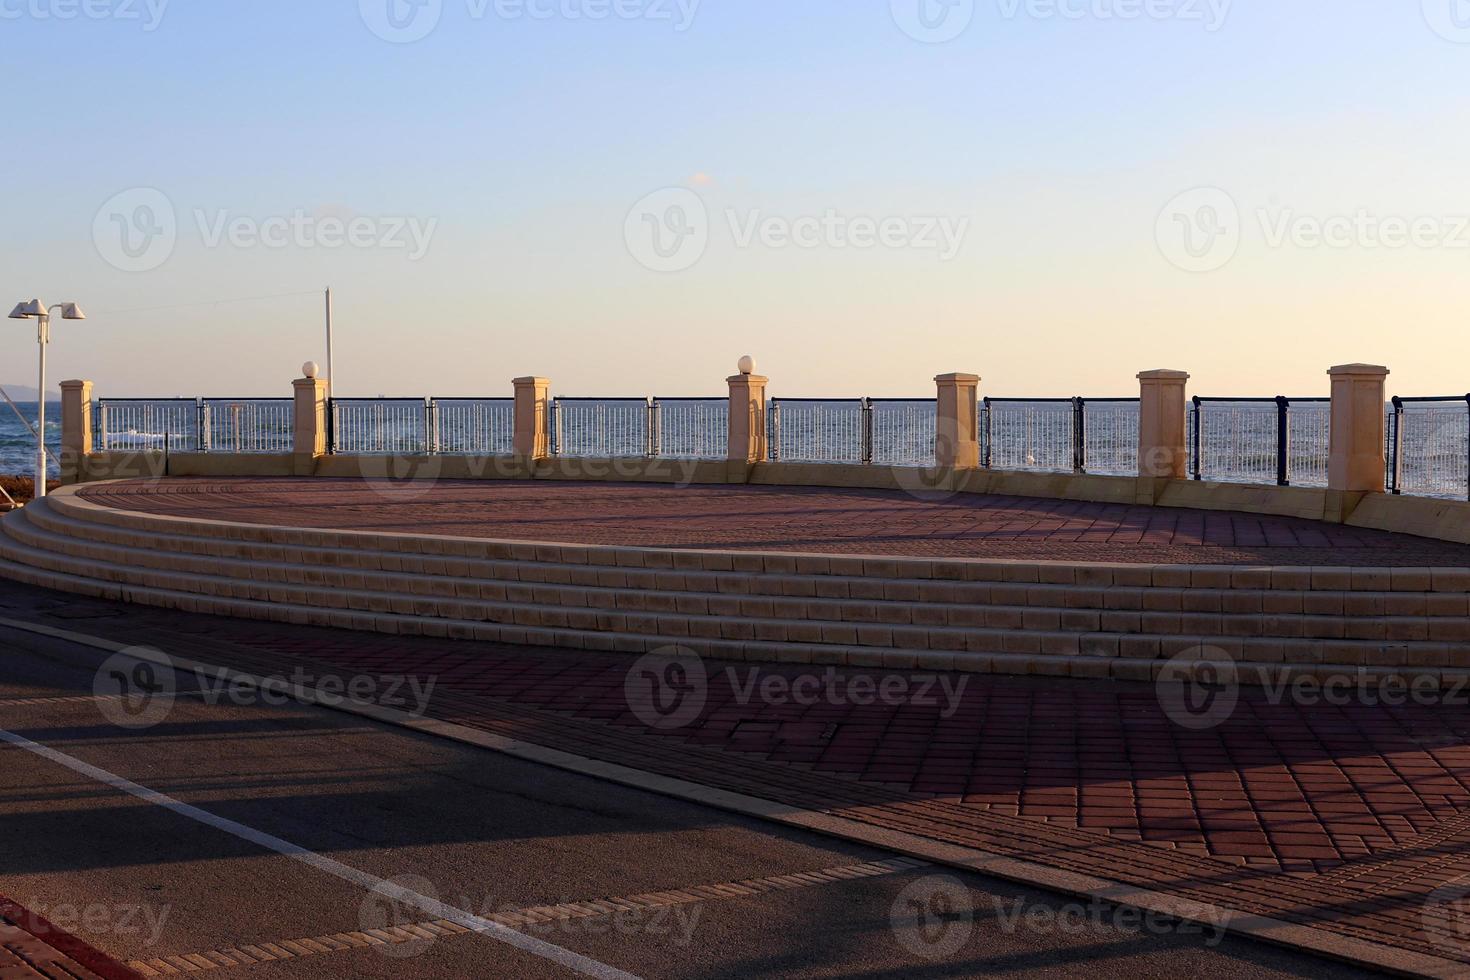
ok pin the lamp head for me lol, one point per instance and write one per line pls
(747, 365)
(309, 369)
(71, 311)
(27, 309)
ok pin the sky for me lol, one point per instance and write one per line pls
(626, 196)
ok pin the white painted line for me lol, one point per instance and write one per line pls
(572, 961)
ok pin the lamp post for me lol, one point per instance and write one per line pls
(42, 314)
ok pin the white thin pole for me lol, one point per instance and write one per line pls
(42, 330)
(331, 375)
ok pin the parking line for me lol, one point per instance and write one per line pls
(572, 961)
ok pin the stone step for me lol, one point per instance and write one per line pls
(1020, 664)
(1091, 575)
(1055, 597)
(38, 531)
(24, 544)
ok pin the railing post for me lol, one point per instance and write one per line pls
(1196, 433)
(1162, 436)
(1396, 446)
(530, 436)
(1357, 463)
(201, 421)
(747, 416)
(76, 429)
(957, 424)
(309, 424)
(775, 431)
(655, 421)
(1079, 435)
(1467, 441)
(989, 435)
(1283, 441)
(431, 426)
(867, 431)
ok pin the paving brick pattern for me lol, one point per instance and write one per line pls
(1353, 820)
(782, 519)
(31, 948)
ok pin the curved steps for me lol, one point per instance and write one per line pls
(1122, 621)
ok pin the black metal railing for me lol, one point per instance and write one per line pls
(1060, 435)
(1429, 446)
(1260, 440)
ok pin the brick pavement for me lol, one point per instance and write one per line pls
(1344, 819)
(782, 519)
(31, 948)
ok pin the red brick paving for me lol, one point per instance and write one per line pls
(1346, 819)
(782, 519)
(31, 948)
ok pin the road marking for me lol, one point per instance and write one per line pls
(247, 954)
(572, 961)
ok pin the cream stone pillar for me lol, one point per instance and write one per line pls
(957, 423)
(309, 424)
(533, 408)
(1163, 446)
(748, 415)
(76, 428)
(1357, 460)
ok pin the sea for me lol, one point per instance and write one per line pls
(18, 445)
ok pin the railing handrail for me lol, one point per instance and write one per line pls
(1261, 400)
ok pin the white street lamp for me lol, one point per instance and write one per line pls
(42, 314)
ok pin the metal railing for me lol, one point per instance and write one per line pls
(382, 426)
(691, 428)
(1282, 441)
(246, 425)
(1278, 440)
(1060, 435)
(901, 431)
(472, 426)
(602, 427)
(819, 430)
(143, 424)
(1429, 447)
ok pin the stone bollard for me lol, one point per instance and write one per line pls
(748, 415)
(1163, 445)
(1357, 456)
(532, 412)
(76, 430)
(309, 423)
(957, 422)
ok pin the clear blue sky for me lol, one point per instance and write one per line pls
(525, 142)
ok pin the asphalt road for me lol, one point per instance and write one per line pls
(289, 817)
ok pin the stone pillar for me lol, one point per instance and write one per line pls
(76, 429)
(533, 409)
(957, 424)
(748, 418)
(1163, 444)
(309, 424)
(1357, 457)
